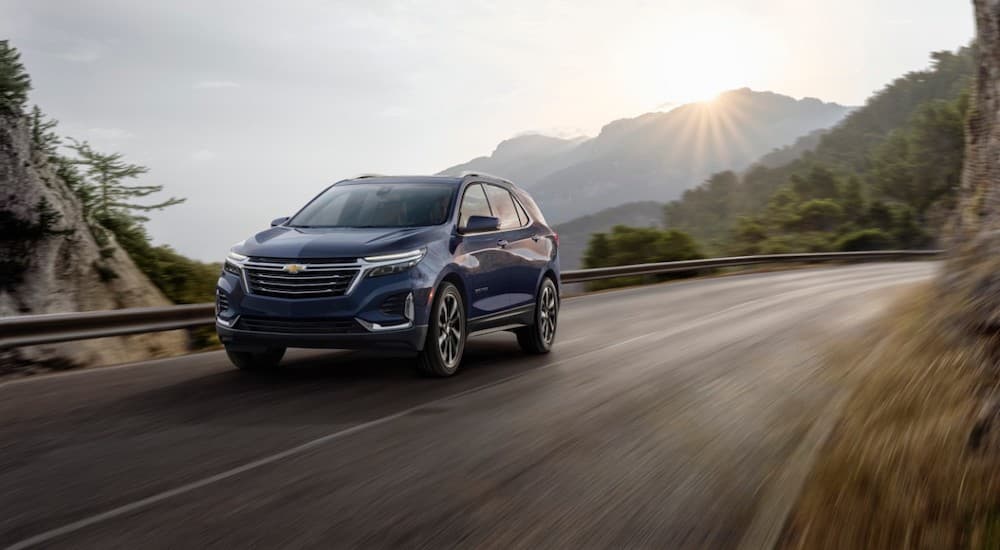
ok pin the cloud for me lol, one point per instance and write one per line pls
(203, 155)
(215, 84)
(109, 134)
(81, 56)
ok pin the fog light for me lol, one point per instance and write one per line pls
(408, 307)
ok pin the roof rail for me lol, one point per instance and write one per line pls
(468, 173)
(363, 176)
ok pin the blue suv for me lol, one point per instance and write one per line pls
(411, 263)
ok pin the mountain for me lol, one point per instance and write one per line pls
(51, 262)
(574, 235)
(524, 159)
(876, 149)
(655, 156)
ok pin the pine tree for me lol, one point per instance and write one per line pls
(42, 137)
(106, 176)
(14, 81)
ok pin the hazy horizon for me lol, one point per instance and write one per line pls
(248, 111)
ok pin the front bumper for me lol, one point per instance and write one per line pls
(407, 339)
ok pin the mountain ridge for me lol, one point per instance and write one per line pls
(653, 156)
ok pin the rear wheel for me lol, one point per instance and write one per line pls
(256, 360)
(445, 342)
(538, 338)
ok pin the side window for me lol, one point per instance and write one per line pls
(473, 204)
(503, 207)
(521, 214)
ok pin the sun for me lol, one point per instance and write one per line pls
(695, 58)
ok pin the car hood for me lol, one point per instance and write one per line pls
(340, 242)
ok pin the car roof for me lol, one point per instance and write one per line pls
(451, 180)
(377, 179)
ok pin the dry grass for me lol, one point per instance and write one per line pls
(915, 460)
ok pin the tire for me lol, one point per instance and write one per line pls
(262, 361)
(446, 334)
(539, 337)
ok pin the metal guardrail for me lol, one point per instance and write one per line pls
(62, 327)
(584, 275)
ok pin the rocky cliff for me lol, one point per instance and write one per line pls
(50, 262)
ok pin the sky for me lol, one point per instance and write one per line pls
(249, 108)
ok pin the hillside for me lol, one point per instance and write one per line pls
(52, 263)
(574, 235)
(655, 156)
(890, 166)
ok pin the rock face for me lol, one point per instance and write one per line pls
(51, 263)
(971, 278)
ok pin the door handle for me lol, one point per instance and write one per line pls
(502, 243)
(535, 238)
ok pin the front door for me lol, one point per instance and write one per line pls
(481, 258)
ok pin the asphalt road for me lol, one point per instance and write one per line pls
(664, 418)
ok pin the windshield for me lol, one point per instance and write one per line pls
(378, 205)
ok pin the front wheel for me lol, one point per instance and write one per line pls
(256, 361)
(446, 334)
(538, 338)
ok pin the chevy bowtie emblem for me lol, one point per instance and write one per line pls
(293, 268)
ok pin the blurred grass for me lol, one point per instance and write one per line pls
(915, 459)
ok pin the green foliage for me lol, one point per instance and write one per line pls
(105, 176)
(865, 239)
(921, 162)
(43, 136)
(637, 245)
(181, 279)
(819, 215)
(14, 81)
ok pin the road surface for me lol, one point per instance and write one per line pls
(665, 417)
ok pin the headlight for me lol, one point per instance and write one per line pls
(394, 263)
(236, 257)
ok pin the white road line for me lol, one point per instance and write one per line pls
(759, 303)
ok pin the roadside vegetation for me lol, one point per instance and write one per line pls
(913, 462)
(638, 245)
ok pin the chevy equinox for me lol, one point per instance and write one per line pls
(411, 263)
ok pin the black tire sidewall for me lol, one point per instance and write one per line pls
(434, 332)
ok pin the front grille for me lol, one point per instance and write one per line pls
(305, 261)
(393, 305)
(299, 326)
(221, 302)
(316, 280)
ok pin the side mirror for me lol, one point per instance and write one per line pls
(278, 221)
(481, 224)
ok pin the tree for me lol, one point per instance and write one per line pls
(43, 137)
(819, 215)
(14, 81)
(852, 201)
(106, 176)
(598, 251)
(819, 183)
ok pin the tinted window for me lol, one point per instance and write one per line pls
(503, 207)
(378, 205)
(521, 214)
(473, 204)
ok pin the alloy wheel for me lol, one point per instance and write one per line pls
(449, 329)
(548, 311)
